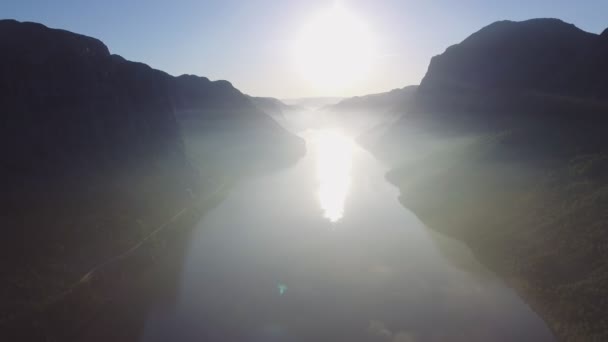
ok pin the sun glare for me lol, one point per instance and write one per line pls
(334, 153)
(334, 49)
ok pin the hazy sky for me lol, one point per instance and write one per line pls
(250, 42)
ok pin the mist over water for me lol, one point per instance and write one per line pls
(323, 251)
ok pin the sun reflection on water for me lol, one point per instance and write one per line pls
(334, 154)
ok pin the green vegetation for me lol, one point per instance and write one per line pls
(540, 223)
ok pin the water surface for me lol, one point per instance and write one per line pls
(323, 251)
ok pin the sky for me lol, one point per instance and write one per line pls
(253, 43)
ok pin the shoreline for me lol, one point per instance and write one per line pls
(525, 229)
(126, 276)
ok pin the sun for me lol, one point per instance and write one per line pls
(335, 49)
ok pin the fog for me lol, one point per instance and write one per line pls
(323, 250)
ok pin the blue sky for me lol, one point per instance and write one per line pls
(249, 42)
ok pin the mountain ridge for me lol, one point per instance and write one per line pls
(97, 151)
(504, 148)
(546, 55)
(64, 70)
(387, 99)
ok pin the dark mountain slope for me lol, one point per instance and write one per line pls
(504, 147)
(275, 107)
(220, 123)
(541, 55)
(92, 159)
(70, 106)
(541, 76)
(191, 92)
(93, 155)
(514, 70)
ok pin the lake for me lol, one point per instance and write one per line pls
(324, 251)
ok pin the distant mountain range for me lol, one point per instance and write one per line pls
(275, 107)
(389, 101)
(369, 115)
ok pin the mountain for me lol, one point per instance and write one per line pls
(380, 102)
(538, 55)
(275, 107)
(535, 66)
(76, 108)
(369, 116)
(540, 74)
(72, 107)
(97, 151)
(504, 147)
(220, 123)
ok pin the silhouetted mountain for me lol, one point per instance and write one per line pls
(274, 107)
(74, 107)
(220, 123)
(390, 101)
(542, 76)
(509, 65)
(191, 93)
(504, 147)
(93, 154)
(542, 55)
(371, 115)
